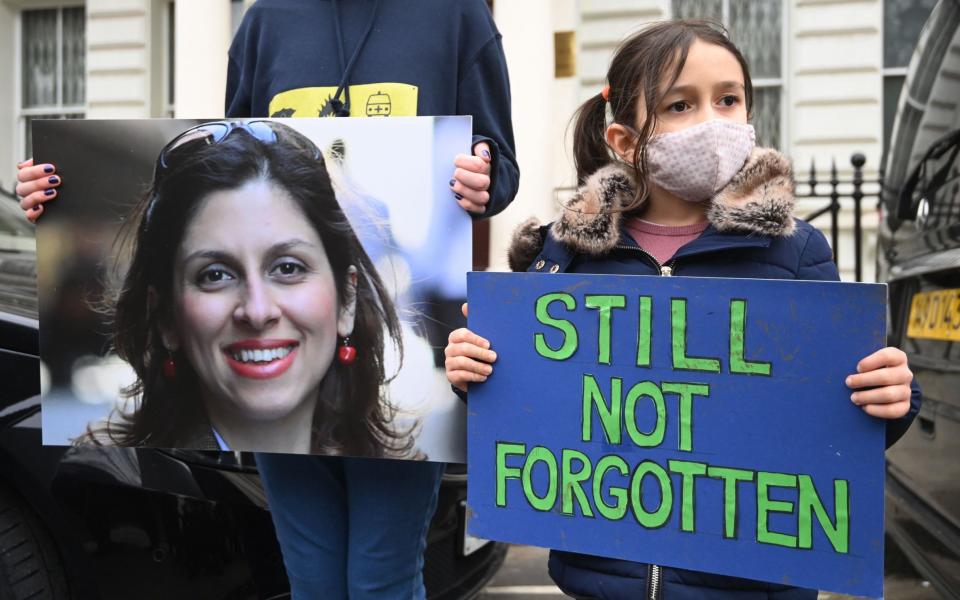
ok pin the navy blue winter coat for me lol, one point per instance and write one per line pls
(752, 233)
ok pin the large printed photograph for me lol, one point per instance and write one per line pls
(275, 285)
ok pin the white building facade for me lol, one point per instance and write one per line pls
(827, 75)
(123, 59)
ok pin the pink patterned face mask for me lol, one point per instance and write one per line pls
(695, 163)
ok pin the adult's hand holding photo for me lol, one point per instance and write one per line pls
(471, 179)
(882, 384)
(36, 184)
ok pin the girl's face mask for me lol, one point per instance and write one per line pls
(697, 162)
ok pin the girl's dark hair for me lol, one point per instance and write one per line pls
(655, 54)
(352, 415)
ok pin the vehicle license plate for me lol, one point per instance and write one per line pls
(471, 543)
(935, 315)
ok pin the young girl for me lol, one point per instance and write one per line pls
(672, 184)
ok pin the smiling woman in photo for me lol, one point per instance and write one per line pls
(250, 312)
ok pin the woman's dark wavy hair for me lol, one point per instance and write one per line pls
(352, 416)
(655, 54)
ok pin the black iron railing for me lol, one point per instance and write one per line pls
(851, 188)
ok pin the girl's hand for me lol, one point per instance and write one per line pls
(36, 184)
(471, 179)
(468, 357)
(887, 373)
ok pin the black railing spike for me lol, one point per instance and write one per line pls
(880, 173)
(834, 211)
(858, 160)
(813, 175)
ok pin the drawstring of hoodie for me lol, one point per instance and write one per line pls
(336, 106)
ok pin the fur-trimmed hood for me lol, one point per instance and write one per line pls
(759, 199)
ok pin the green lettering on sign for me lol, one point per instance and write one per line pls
(545, 502)
(659, 517)
(604, 465)
(730, 478)
(837, 532)
(573, 482)
(655, 437)
(505, 449)
(686, 391)
(766, 505)
(605, 304)
(570, 340)
(688, 471)
(644, 331)
(609, 415)
(739, 364)
(678, 338)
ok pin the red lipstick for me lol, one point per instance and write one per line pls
(261, 358)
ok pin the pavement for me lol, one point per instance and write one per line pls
(524, 577)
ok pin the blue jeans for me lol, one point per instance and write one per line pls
(351, 527)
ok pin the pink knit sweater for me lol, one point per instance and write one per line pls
(662, 241)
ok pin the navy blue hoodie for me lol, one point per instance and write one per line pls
(392, 58)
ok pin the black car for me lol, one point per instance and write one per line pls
(148, 523)
(919, 255)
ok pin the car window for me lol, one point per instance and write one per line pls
(928, 107)
(16, 233)
(18, 262)
(942, 117)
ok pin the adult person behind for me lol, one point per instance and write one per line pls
(357, 527)
(237, 336)
(349, 527)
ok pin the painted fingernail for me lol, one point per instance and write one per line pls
(458, 196)
(486, 153)
(54, 179)
(48, 168)
(452, 181)
(49, 192)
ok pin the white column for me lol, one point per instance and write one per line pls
(11, 143)
(527, 29)
(118, 59)
(203, 34)
(566, 100)
(835, 108)
(835, 81)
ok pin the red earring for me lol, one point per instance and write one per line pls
(169, 368)
(346, 353)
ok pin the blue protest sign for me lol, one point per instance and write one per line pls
(690, 422)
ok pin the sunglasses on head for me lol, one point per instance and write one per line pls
(208, 134)
(214, 133)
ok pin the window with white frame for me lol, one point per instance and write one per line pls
(52, 73)
(756, 27)
(902, 22)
